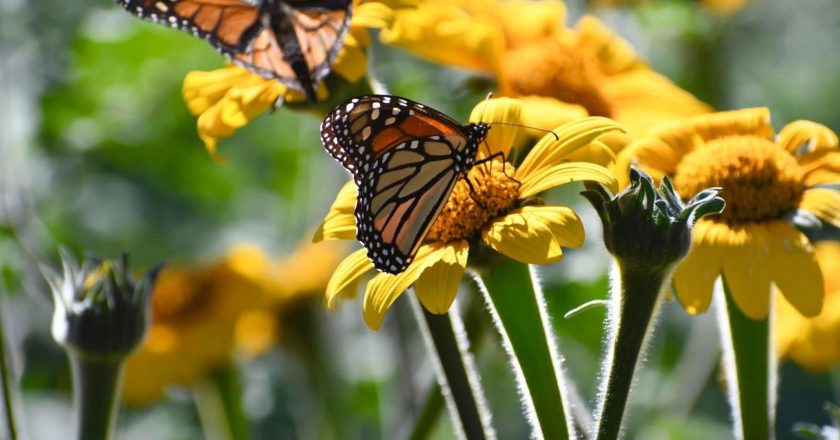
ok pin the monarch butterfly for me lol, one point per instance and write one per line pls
(293, 41)
(405, 158)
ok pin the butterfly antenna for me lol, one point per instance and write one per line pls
(527, 126)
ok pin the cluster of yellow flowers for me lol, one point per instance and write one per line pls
(204, 317)
(549, 75)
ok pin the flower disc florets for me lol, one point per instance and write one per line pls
(462, 216)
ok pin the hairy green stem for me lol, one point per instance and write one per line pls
(96, 391)
(518, 308)
(5, 376)
(456, 377)
(632, 308)
(750, 367)
(219, 404)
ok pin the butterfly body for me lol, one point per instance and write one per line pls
(293, 41)
(405, 158)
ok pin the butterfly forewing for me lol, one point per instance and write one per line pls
(405, 158)
(293, 41)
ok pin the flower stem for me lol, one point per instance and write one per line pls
(632, 308)
(519, 313)
(8, 405)
(96, 385)
(456, 372)
(429, 414)
(750, 371)
(219, 403)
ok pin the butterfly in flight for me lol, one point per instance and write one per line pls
(293, 41)
(405, 159)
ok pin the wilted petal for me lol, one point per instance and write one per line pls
(805, 137)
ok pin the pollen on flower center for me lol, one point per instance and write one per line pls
(549, 68)
(760, 180)
(462, 217)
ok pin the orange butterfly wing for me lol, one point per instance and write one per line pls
(405, 157)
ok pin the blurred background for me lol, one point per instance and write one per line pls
(98, 152)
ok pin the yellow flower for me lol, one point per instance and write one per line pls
(767, 179)
(510, 220)
(226, 99)
(814, 343)
(560, 74)
(202, 317)
(194, 313)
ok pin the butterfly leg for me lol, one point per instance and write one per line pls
(504, 169)
(472, 193)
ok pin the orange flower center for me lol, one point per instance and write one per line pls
(462, 216)
(178, 296)
(760, 180)
(550, 68)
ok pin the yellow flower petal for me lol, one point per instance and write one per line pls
(806, 137)
(545, 178)
(824, 203)
(446, 34)
(789, 324)
(794, 266)
(524, 21)
(535, 234)
(385, 288)
(645, 99)
(500, 138)
(615, 54)
(351, 62)
(372, 15)
(551, 150)
(202, 90)
(437, 286)
(340, 222)
(246, 98)
(547, 113)
(695, 277)
(750, 121)
(821, 167)
(345, 279)
(746, 270)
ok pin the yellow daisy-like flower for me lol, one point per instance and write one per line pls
(202, 317)
(226, 99)
(194, 314)
(814, 343)
(560, 74)
(767, 180)
(510, 218)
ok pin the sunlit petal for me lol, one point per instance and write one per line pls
(340, 223)
(505, 111)
(560, 174)
(695, 277)
(385, 288)
(794, 267)
(535, 234)
(824, 203)
(345, 279)
(437, 286)
(551, 150)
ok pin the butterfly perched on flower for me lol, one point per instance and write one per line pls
(405, 158)
(293, 41)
